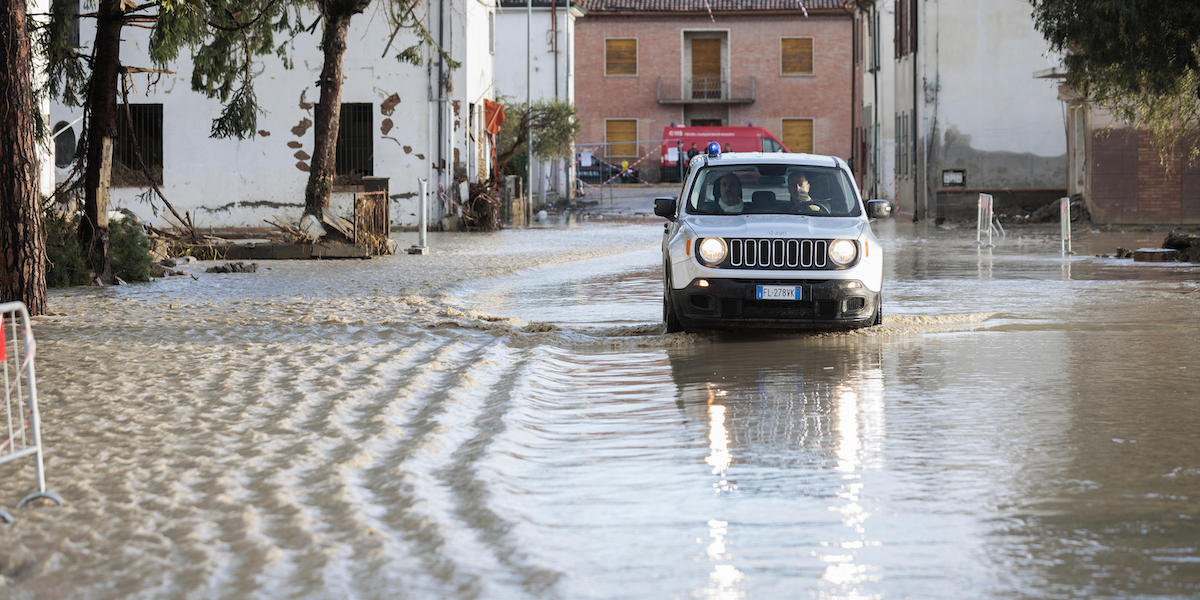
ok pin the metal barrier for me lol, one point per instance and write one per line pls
(986, 221)
(1064, 213)
(24, 429)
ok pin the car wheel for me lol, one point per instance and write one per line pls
(671, 321)
(878, 312)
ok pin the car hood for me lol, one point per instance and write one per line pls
(774, 226)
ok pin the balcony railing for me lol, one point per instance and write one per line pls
(706, 90)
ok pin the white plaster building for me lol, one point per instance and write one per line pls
(401, 127)
(968, 115)
(879, 102)
(552, 48)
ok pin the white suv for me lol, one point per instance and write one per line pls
(770, 240)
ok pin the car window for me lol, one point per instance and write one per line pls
(772, 189)
(770, 145)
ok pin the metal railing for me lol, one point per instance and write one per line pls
(23, 434)
(706, 90)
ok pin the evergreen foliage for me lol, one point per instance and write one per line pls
(66, 264)
(130, 251)
(1139, 59)
(69, 264)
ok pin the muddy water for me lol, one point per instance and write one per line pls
(503, 419)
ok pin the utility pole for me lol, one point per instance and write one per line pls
(529, 108)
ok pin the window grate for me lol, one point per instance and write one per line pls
(355, 157)
(148, 133)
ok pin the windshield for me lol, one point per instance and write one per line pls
(772, 189)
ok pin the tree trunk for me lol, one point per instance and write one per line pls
(102, 130)
(328, 112)
(22, 240)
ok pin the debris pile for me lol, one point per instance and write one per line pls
(233, 267)
(1177, 247)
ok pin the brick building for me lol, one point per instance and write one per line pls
(1116, 168)
(787, 65)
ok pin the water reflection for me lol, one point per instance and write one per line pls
(792, 423)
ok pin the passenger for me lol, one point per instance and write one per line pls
(729, 194)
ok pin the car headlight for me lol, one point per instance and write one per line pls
(843, 252)
(712, 250)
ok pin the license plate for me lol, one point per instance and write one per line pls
(778, 292)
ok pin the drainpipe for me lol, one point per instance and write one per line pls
(529, 108)
(875, 103)
(441, 100)
(913, 125)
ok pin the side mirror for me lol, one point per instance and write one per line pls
(665, 207)
(879, 209)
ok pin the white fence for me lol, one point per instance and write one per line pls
(23, 437)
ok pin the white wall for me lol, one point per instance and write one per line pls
(553, 74)
(230, 183)
(879, 91)
(987, 52)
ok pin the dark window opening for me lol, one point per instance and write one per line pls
(64, 144)
(355, 156)
(148, 133)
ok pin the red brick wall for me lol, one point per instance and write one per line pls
(1131, 185)
(754, 50)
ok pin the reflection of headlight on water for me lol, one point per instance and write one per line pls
(718, 440)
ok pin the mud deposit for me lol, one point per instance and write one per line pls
(503, 419)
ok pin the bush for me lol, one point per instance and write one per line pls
(130, 251)
(69, 264)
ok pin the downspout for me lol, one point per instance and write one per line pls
(554, 41)
(855, 101)
(913, 125)
(875, 102)
(443, 160)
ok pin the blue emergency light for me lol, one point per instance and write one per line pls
(714, 149)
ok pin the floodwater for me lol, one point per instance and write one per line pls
(503, 419)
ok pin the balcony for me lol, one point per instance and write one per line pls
(706, 90)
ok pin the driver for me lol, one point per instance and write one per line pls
(729, 194)
(798, 187)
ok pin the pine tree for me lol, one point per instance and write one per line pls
(22, 241)
(225, 36)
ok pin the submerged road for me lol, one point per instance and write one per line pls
(504, 419)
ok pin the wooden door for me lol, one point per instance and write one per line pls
(706, 68)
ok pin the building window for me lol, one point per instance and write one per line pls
(620, 58)
(904, 153)
(147, 140)
(64, 144)
(355, 157)
(796, 56)
(492, 32)
(621, 135)
(906, 28)
(798, 135)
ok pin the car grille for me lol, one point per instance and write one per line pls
(777, 253)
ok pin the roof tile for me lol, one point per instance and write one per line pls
(652, 6)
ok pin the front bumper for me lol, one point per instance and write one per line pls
(732, 303)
